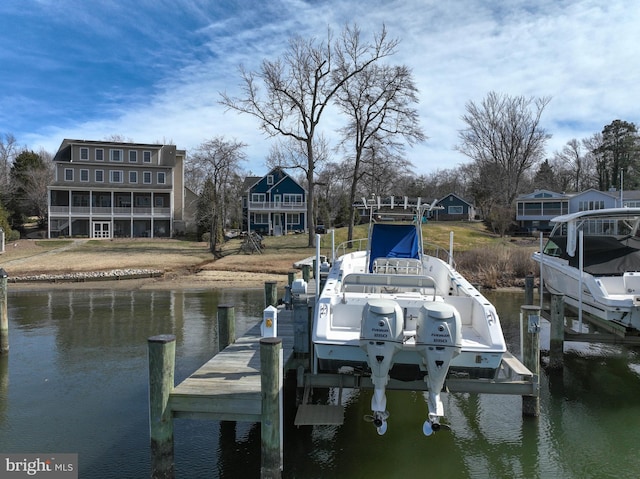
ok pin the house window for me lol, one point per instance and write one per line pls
(84, 153)
(99, 176)
(269, 179)
(146, 156)
(161, 178)
(133, 177)
(292, 199)
(159, 201)
(115, 176)
(258, 197)
(68, 174)
(293, 219)
(84, 175)
(116, 155)
(260, 219)
(133, 156)
(146, 177)
(454, 210)
(99, 154)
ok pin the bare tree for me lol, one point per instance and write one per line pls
(300, 85)
(218, 160)
(504, 138)
(8, 151)
(378, 103)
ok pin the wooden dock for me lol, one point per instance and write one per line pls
(227, 387)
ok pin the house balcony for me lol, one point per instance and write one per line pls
(278, 206)
(110, 211)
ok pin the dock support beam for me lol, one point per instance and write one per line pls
(271, 426)
(528, 289)
(4, 315)
(530, 331)
(556, 339)
(270, 294)
(162, 356)
(226, 326)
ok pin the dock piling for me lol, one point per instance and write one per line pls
(556, 339)
(270, 293)
(528, 289)
(4, 315)
(271, 383)
(162, 355)
(226, 326)
(530, 332)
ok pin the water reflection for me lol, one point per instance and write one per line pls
(76, 379)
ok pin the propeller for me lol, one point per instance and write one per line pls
(379, 420)
(429, 427)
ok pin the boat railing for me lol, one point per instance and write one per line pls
(397, 266)
(375, 283)
(439, 252)
(359, 244)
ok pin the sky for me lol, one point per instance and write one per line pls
(153, 70)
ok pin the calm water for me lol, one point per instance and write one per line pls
(76, 381)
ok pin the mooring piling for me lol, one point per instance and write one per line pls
(270, 293)
(556, 337)
(530, 335)
(162, 356)
(272, 402)
(4, 315)
(226, 326)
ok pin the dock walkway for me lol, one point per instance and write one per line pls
(227, 387)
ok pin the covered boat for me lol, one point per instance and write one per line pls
(388, 309)
(593, 259)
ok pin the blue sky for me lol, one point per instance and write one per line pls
(152, 70)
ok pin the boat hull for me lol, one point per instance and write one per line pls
(610, 298)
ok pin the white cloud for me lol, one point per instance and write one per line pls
(581, 53)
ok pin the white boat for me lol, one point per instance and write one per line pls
(391, 310)
(601, 278)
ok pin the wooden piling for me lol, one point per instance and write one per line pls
(270, 294)
(306, 274)
(528, 289)
(226, 320)
(271, 389)
(4, 315)
(162, 355)
(556, 339)
(291, 276)
(530, 326)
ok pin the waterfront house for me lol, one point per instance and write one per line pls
(274, 204)
(105, 189)
(454, 208)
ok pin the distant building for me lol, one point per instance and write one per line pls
(454, 208)
(106, 189)
(274, 204)
(534, 211)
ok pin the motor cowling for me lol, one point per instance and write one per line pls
(439, 340)
(381, 336)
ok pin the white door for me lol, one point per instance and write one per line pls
(101, 229)
(277, 225)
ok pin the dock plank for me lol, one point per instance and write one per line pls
(228, 386)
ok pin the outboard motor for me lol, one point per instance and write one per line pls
(439, 340)
(381, 336)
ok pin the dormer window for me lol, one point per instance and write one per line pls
(269, 179)
(84, 154)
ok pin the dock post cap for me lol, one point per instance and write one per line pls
(530, 307)
(3, 273)
(271, 340)
(162, 338)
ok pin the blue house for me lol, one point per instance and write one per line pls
(454, 209)
(274, 204)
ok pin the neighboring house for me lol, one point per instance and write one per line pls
(534, 211)
(274, 204)
(454, 209)
(106, 189)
